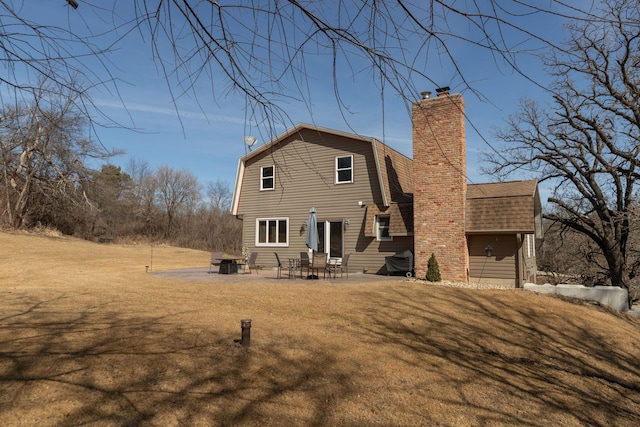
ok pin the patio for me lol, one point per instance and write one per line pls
(201, 274)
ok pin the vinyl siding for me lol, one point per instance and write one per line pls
(305, 178)
(501, 265)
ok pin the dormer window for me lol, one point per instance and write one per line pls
(267, 177)
(344, 169)
(382, 227)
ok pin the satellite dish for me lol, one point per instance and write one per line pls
(250, 141)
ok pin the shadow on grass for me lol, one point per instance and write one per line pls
(463, 358)
(525, 366)
(108, 367)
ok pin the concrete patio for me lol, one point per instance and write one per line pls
(201, 274)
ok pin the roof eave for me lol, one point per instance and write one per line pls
(297, 129)
(235, 202)
(500, 231)
(376, 159)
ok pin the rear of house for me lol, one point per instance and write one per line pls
(372, 201)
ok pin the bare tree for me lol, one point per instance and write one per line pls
(177, 192)
(586, 143)
(72, 58)
(219, 195)
(43, 151)
(141, 196)
(266, 50)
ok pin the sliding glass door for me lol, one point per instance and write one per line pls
(330, 238)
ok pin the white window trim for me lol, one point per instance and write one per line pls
(531, 245)
(377, 225)
(351, 168)
(262, 177)
(267, 243)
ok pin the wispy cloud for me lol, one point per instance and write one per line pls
(182, 113)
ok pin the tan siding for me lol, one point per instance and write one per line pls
(305, 178)
(502, 263)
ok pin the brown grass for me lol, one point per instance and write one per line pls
(88, 338)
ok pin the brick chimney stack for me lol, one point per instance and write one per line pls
(440, 185)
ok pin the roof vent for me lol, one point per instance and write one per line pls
(425, 94)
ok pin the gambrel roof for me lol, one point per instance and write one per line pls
(394, 170)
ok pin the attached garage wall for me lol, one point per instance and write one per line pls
(500, 268)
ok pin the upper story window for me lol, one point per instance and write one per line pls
(382, 227)
(267, 177)
(272, 231)
(344, 169)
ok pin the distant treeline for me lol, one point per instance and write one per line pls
(47, 181)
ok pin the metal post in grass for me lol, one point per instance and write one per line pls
(246, 332)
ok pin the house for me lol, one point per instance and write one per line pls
(372, 201)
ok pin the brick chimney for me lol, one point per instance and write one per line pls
(440, 185)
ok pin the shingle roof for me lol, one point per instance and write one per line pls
(502, 189)
(400, 219)
(502, 207)
(397, 174)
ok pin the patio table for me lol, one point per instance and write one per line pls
(294, 265)
(229, 265)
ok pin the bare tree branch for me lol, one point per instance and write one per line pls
(587, 143)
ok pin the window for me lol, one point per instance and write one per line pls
(272, 232)
(382, 228)
(267, 177)
(344, 169)
(531, 245)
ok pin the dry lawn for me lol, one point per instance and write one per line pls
(88, 338)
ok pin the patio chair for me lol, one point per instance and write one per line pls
(337, 264)
(304, 262)
(279, 265)
(251, 262)
(343, 265)
(216, 257)
(318, 261)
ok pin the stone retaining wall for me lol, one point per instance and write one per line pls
(612, 296)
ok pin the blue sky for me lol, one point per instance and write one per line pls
(206, 137)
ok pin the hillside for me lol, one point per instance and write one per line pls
(87, 337)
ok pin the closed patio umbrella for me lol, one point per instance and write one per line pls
(312, 231)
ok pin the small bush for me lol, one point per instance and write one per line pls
(433, 271)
